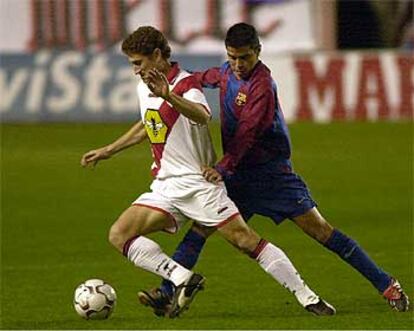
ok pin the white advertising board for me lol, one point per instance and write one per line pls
(192, 26)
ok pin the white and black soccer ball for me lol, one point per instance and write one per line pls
(94, 299)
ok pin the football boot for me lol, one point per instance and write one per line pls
(321, 308)
(157, 300)
(396, 297)
(185, 293)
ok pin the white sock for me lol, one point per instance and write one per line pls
(147, 254)
(275, 262)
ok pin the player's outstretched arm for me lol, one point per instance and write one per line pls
(158, 85)
(134, 136)
(209, 78)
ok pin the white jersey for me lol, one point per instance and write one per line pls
(179, 146)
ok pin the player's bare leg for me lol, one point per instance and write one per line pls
(275, 262)
(314, 224)
(136, 221)
(127, 236)
(203, 230)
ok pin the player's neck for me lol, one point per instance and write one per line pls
(165, 67)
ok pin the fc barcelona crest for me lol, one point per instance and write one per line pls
(241, 99)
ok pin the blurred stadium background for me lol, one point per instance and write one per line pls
(345, 75)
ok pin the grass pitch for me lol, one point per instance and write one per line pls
(55, 218)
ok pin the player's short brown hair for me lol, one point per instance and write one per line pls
(145, 40)
(241, 35)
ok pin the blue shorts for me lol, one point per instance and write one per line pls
(275, 195)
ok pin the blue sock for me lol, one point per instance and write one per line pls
(350, 252)
(186, 254)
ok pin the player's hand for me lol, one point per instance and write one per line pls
(211, 175)
(94, 156)
(158, 83)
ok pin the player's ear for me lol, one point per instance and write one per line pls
(157, 54)
(258, 49)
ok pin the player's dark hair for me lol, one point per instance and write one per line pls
(242, 35)
(145, 40)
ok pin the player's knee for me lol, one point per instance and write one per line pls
(315, 225)
(245, 240)
(203, 231)
(246, 245)
(116, 237)
(325, 232)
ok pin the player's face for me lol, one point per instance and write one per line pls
(242, 60)
(141, 64)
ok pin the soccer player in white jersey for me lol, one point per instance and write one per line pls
(174, 116)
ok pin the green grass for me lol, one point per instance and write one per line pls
(55, 218)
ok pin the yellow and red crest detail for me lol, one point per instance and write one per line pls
(155, 127)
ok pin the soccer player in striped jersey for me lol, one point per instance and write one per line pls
(174, 117)
(257, 170)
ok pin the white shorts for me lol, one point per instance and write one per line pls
(189, 197)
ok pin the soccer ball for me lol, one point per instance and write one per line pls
(94, 299)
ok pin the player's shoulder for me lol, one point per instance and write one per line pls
(261, 73)
(186, 81)
(225, 68)
(261, 78)
(183, 74)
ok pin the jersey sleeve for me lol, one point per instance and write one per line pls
(197, 96)
(256, 117)
(209, 78)
(189, 88)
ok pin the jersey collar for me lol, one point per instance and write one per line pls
(255, 69)
(173, 73)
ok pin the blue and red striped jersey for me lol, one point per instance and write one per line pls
(253, 129)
